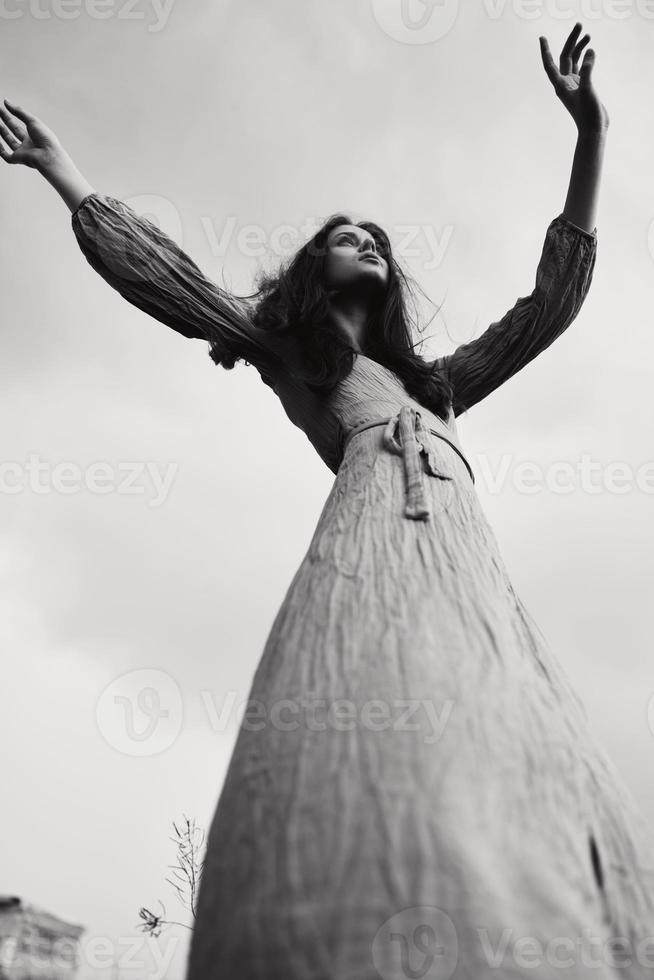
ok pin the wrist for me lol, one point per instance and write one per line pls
(62, 174)
(56, 162)
(595, 133)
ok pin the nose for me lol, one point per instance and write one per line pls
(368, 245)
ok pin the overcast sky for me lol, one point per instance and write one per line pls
(213, 117)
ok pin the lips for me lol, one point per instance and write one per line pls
(368, 257)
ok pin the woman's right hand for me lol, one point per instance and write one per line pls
(27, 140)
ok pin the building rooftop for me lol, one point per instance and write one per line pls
(13, 905)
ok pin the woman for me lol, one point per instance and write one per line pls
(413, 791)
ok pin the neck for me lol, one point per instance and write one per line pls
(350, 315)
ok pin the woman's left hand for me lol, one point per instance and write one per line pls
(574, 85)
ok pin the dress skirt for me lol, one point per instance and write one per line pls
(414, 791)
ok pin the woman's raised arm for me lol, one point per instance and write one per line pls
(574, 88)
(567, 261)
(135, 257)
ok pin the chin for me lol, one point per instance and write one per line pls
(369, 271)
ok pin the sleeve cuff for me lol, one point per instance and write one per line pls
(84, 201)
(592, 235)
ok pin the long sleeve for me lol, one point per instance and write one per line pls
(563, 278)
(150, 271)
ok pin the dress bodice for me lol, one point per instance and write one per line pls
(369, 391)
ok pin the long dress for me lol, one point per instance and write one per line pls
(415, 791)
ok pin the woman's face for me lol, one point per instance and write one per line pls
(353, 260)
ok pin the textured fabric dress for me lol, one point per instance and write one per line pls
(415, 792)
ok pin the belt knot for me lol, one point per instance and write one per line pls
(412, 445)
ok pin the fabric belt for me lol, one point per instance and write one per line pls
(411, 445)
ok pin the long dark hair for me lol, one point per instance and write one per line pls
(294, 301)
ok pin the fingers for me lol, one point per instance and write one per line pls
(577, 52)
(16, 127)
(12, 133)
(548, 62)
(17, 111)
(9, 138)
(5, 153)
(586, 69)
(565, 60)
